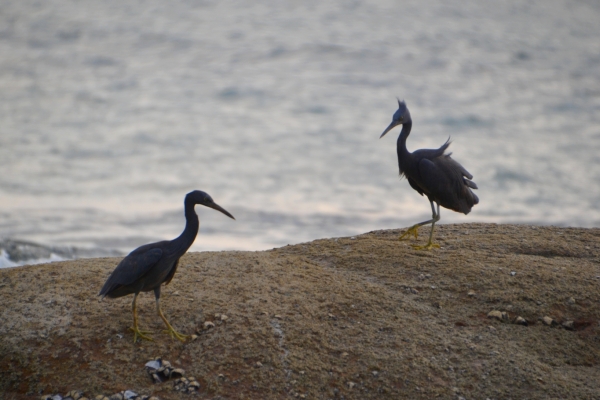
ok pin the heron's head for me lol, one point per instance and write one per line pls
(401, 116)
(203, 198)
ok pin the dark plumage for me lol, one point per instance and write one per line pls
(432, 173)
(149, 266)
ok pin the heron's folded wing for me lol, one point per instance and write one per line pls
(132, 268)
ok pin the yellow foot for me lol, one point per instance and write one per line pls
(176, 335)
(141, 334)
(428, 246)
(413, 230)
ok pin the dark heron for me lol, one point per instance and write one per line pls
(149, 266)
(433, 174)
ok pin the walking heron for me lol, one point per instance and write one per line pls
(432, 173)
(148, 267)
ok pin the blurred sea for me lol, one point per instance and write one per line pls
(112, 111)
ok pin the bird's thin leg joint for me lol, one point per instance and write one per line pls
(413, 229)
(136, 331)
(170, 330)
(435, 218)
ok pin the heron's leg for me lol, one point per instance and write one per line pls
(436, 218)
(174, 334)
(135, 328)
(413, 229)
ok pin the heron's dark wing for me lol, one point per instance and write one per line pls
(137, 264)
(172, 272)
(415, 186)
(444, 181)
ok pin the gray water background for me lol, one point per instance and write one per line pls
(111, 111)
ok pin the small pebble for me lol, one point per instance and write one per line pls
(176, 373)
(414, 291)
(224, 317)
(549, 321)
(258, 364)
(512, 273)
(351, 385)
(344, 354)
(571, 301)
(499, 315)
(569, 325)
(75, 394)
(521, 321)
(208, 325)
(471, 293)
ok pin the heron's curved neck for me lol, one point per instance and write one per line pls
(401, 143)
(192, 224)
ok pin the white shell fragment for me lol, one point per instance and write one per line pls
(130, 394)
(154, 364)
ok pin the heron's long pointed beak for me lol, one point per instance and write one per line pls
(219, 208)
(389, 128)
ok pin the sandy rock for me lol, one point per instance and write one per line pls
(548, 321)
(388, 329)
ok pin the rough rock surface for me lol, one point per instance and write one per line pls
(358, 318)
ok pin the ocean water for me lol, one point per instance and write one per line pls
(112, 111)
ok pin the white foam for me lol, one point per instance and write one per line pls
(6, 262)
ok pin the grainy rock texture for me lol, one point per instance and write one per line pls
(355, 318)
